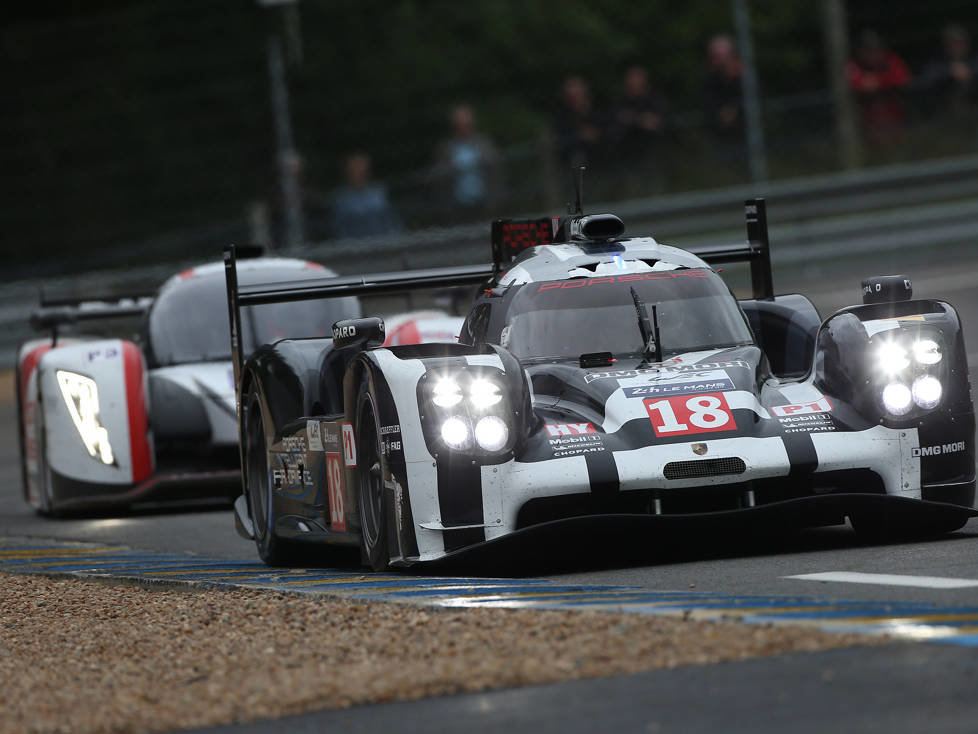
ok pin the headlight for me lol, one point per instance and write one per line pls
(910, 371)
(897, 398)
(926, 391)
(466, 409)
(80, 394)
(892, 358)
(484, 393)
(446, 393)
(491, 433)
(455, 432)
(926, 351)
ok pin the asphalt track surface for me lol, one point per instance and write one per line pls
(903, 687)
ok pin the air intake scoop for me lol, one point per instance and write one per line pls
(597, 227)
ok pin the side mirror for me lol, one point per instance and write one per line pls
(364, 333)
(887, 289)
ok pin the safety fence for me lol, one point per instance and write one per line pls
(820, 220)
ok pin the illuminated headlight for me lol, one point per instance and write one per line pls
(80, 394)
(484, 393)
(455, 432)
(927, 391)
(446, 393)
(892, 358)
(491, 433)
(926, 351)
(897, 398)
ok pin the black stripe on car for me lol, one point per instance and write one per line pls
(460, 501)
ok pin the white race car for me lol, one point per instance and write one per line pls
(151, 417)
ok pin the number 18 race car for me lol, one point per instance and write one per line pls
(601, 379)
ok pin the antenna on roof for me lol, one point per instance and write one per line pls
(578, 192)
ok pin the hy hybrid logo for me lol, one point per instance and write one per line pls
(570, 429)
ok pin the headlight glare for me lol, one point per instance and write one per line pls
(927, 352)
(926, 391)
(446, 393)
(892, 358)
(897, 398)
(455, 432)
(491, 433)
(484, 393)
(80, 394)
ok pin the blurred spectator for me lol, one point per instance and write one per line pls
(468, 163)
(723, 97)
(878, 76)
(952, 76)
(361, 208)
(577, 126)
(638, 126)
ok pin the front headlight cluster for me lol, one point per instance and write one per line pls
(80, 394)
(911, 372)
(467, 410)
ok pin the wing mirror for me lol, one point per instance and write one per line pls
(364, 333)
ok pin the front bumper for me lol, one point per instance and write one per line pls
(596, 535)
(815, 470)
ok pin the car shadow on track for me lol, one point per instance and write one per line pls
(600, 550)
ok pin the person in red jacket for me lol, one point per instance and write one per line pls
(878, 75)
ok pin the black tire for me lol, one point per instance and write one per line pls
(22, 449)
(373, 503)
(45, 507)
(272, 550)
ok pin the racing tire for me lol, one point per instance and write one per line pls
(21, 444)
(274, 551)
(373, 502)
(45, 506)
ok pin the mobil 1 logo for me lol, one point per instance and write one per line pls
(573, 439)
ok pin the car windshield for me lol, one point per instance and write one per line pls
(567, 318)
(190, 322)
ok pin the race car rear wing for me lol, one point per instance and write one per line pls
(333, 287)
(63, 311)
(509, 236)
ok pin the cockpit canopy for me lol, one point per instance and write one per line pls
(563, 319)
(189, 318)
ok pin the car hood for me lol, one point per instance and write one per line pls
(689, 397)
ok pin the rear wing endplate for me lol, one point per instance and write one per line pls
(756, 251)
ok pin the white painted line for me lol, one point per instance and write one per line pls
(887, 579)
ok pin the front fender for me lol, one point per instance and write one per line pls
(862, 350)
(437, 492)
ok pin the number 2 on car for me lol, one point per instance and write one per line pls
(679, 415)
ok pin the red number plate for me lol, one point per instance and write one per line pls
(680, 415)
(334, 483)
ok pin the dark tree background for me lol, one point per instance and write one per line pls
(139, 129)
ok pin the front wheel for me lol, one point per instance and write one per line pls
(258, 487)
(44, 504)
(372, 499)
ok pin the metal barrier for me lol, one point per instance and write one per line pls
(821, 218)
